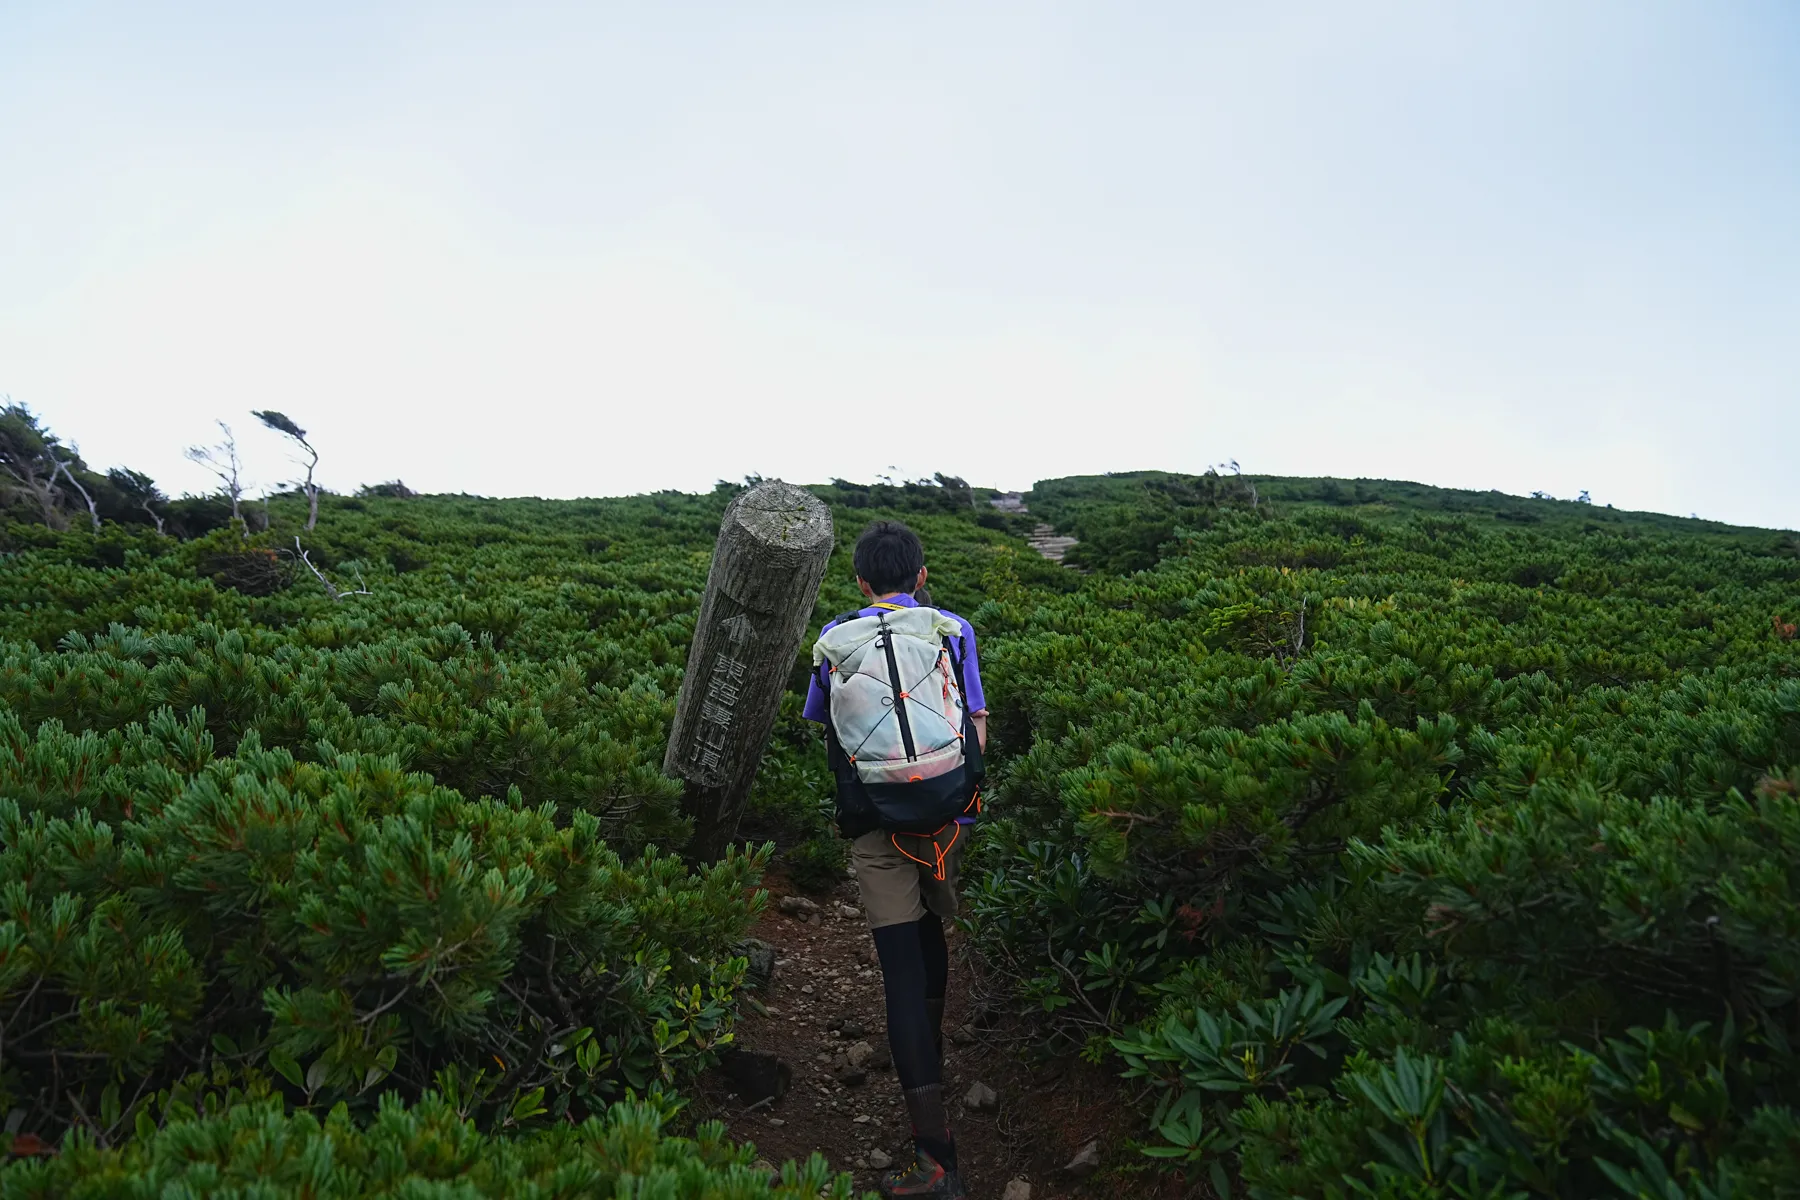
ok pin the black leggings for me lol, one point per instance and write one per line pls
(915, 967)
(937, 956)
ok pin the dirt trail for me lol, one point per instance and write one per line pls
(825, 1022)
(826, 976)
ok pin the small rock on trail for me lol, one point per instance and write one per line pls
(1086, 1161)
(981, 1098)
(761, 975)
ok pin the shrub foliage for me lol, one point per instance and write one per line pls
(1410, 854)
(1386, 841)
(335, 851)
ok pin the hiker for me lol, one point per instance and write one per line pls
(897, 687)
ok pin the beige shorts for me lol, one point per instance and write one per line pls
(900, 881)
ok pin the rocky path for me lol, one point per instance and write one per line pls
(812, 1072)
(1045, 540)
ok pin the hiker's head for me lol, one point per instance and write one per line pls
(889, 559)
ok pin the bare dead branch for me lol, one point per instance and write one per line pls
(59, 467)
(331, 589)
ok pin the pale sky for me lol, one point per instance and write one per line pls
(596, 249)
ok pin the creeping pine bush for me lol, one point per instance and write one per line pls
(347, 926)
(344, 847)
(1404, 855)
(1385, 841)
(428, 1150)
(391, 877)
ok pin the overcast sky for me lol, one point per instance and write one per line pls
(596, 249)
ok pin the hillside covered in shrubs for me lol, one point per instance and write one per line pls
(383, 824)
(1412, 849)
(1385, 841)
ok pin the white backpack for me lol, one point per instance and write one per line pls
(898, 715)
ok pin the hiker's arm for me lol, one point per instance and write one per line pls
(971, 685)
(818, 703)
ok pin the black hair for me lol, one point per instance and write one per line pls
(888, 557)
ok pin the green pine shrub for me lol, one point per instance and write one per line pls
(819, 863)
(352, 928)
(1388, 841)
(340, 849)
(1412, 855)
(252, 1147)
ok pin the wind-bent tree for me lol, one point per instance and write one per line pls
(29, 464)
(222, 460)
(138, 490)
(283, 424)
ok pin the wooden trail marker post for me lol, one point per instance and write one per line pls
(766, 569)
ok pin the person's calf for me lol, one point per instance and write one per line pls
(934, 951)
(916, 1058)
(935, 948)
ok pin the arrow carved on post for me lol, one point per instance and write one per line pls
(737, 630)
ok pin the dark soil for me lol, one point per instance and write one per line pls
(826, 975)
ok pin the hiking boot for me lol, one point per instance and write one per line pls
(926, 1177)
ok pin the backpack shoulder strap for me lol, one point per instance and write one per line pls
(852, 615)
(956, 662)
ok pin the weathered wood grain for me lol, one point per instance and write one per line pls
(773, 546)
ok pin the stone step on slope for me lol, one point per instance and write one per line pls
(1045, 540)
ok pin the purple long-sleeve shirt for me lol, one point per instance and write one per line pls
(818, 706)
